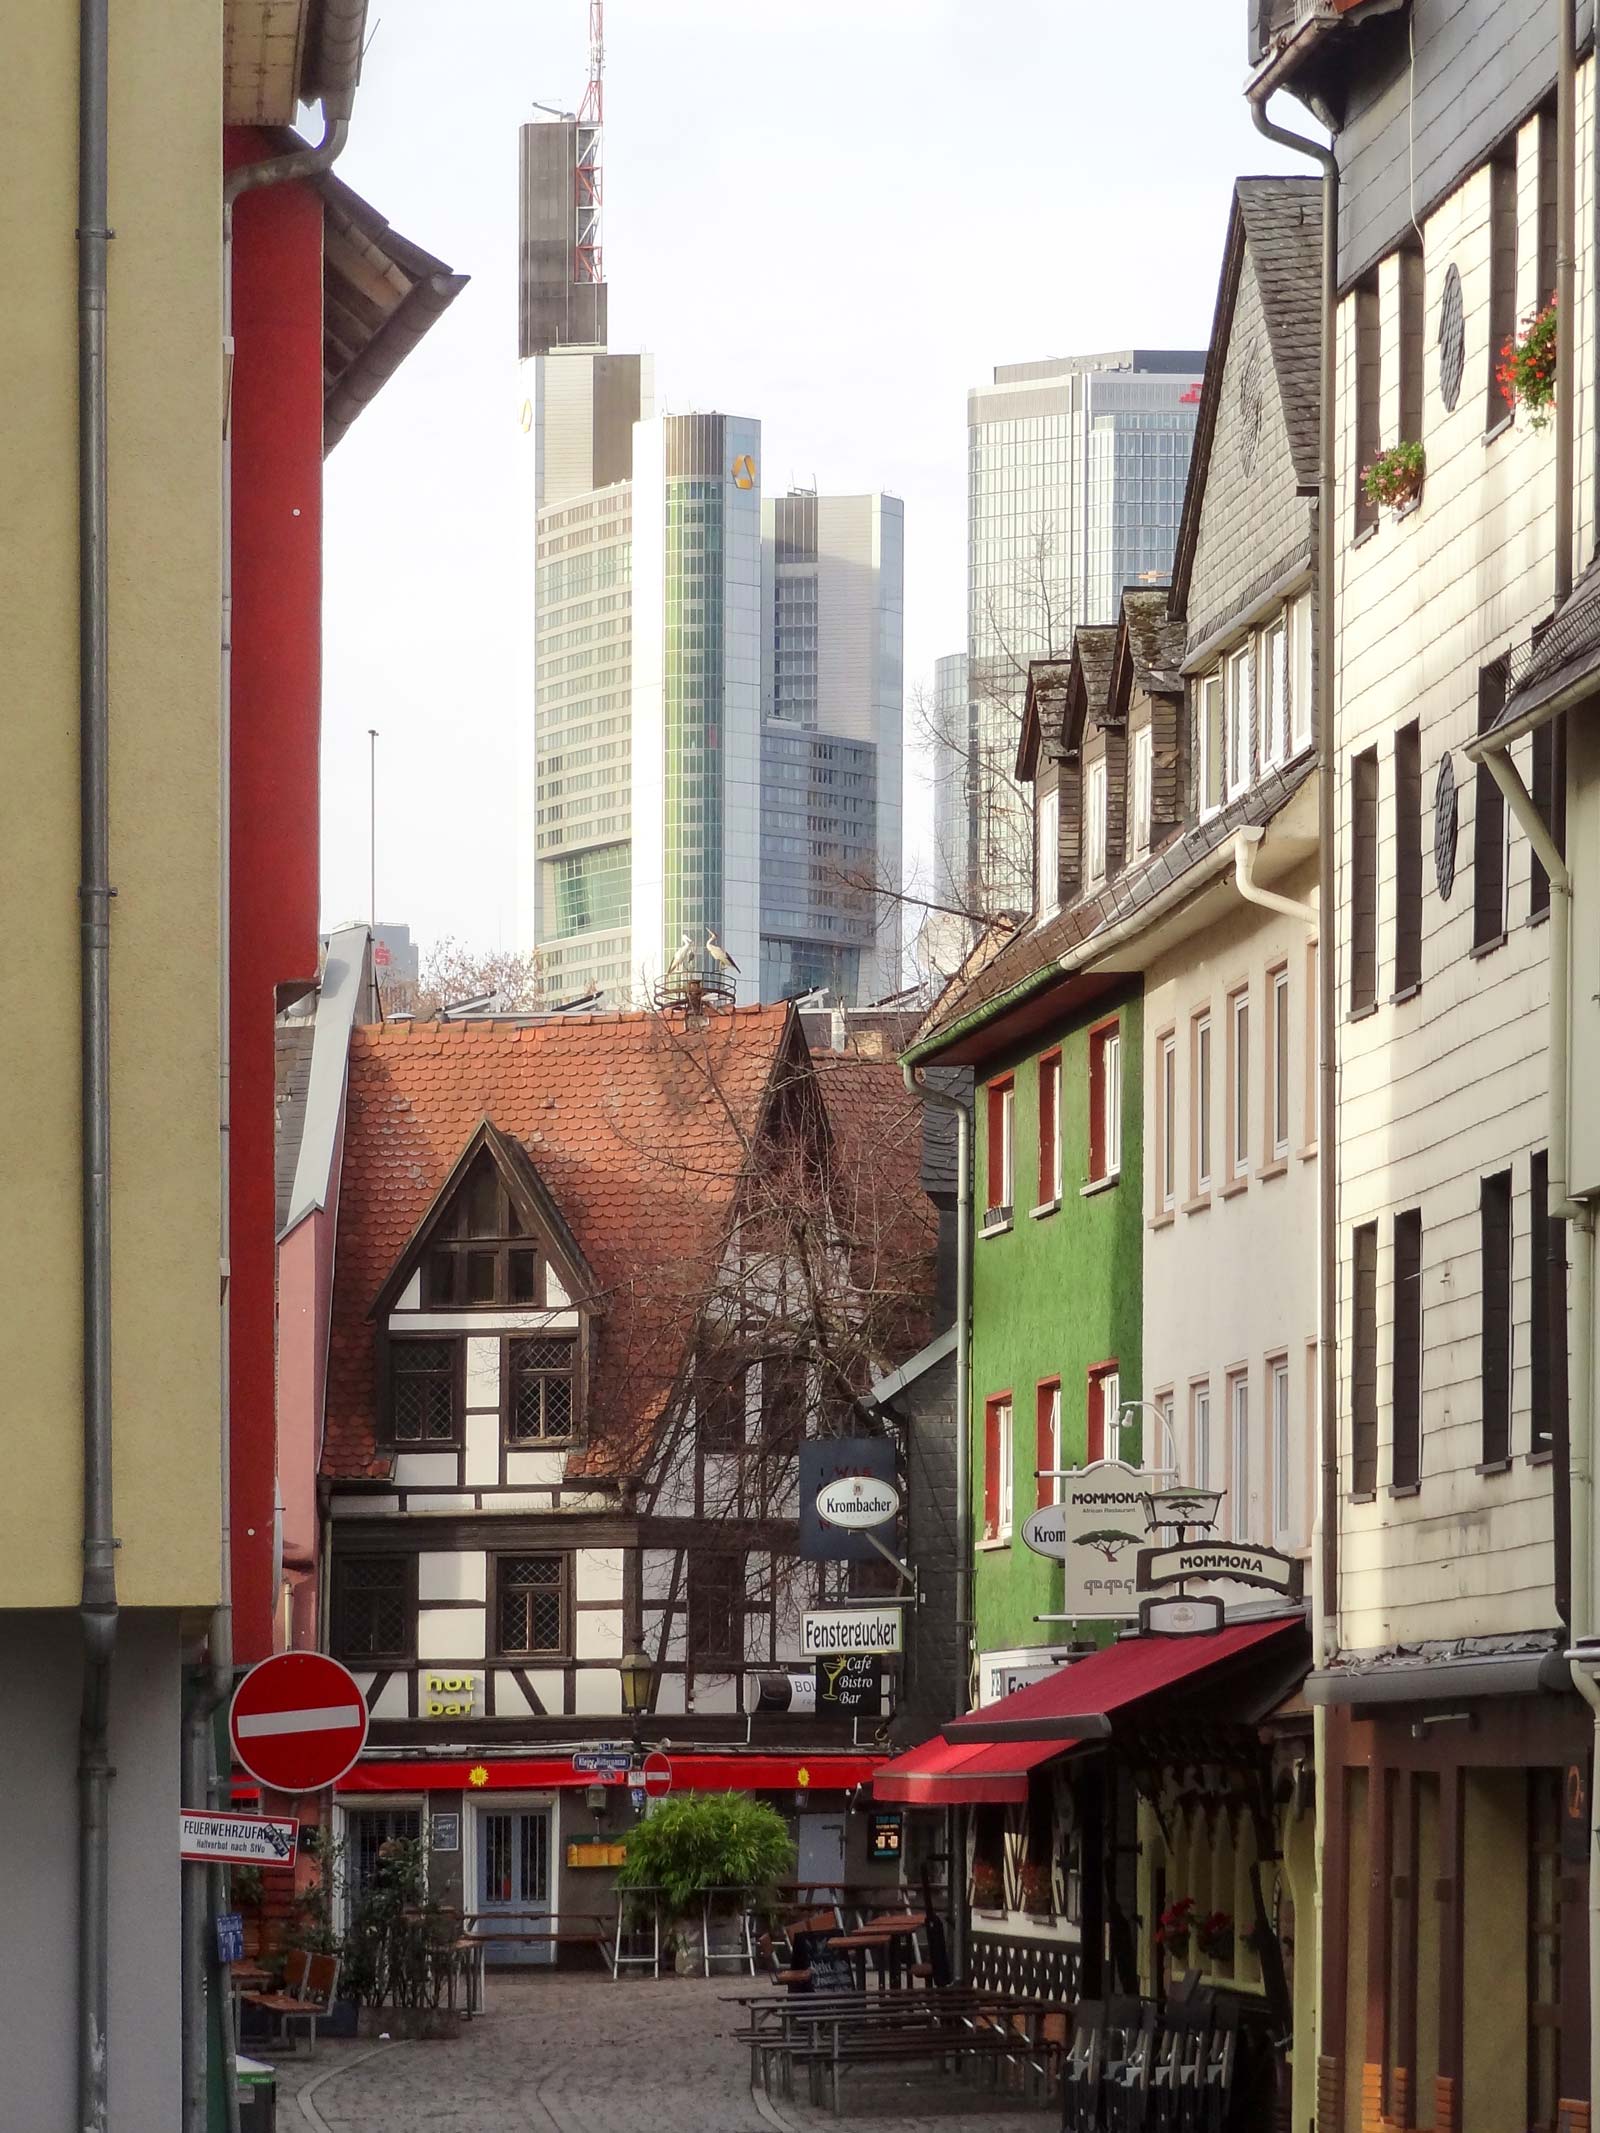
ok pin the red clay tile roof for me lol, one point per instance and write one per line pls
(640, 1131)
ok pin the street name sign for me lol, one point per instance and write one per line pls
(608, 1766)
(827, 1632)
(298, 1721)
(236, 1840)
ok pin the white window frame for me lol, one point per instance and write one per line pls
(1057, 1459)
(1047, 857)
(1239, 1092)
(1144, 759)
(1239, 1451)
(1274, 693)
(1203, 1123)
(1050, 1068)
(1278, 1095)
(1095, 815)
(1005, 1433)
(1200, 1432)
(1111, 1100)
(1110, 1383)
(1300, 682)
(1240, 669)
(1279, 1381)
(1212, 722)
(1167, 1122)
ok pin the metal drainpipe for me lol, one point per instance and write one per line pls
(98, 1604)
(963, 1117)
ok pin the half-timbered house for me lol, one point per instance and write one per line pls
(596, 1278)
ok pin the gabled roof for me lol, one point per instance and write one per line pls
(536, 1208)
(1280, 221)
(1044, 713)
(1149, 649)
(639, 1130)
(1094, 646)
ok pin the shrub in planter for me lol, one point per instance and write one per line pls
(988, 1887)
(397, 1951)
(1394, 477)
(705, 1841)
(1526, 372)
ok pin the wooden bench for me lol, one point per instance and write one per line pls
(309, 1984)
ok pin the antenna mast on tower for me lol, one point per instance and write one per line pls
(587, 265)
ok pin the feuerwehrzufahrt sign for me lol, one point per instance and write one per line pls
(236, 1840)
(298, 1721)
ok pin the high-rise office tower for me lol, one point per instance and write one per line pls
(950, 746)
(833, 571)
(1075, 477)
(714, 744)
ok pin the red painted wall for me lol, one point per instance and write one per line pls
(276, 430)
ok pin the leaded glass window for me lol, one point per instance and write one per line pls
(532, 1604)
(543, 1402)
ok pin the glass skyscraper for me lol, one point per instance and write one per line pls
(1075, 477)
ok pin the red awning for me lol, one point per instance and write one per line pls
(1079, 1701)
(941, 1774)
(755, 1772)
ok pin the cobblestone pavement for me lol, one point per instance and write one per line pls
(579, 2054)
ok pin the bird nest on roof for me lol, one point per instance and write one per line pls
(693, 992)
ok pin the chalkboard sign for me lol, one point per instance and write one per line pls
(832, 1971)
(850, 1681)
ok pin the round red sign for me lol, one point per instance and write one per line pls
(657, 1770)
(298, 1721)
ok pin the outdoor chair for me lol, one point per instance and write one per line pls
(309, 1984)
(1218, 2074)
(1127, 2085)
(1177, 2082)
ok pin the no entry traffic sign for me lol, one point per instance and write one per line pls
(656, 1770)
(298, 1721)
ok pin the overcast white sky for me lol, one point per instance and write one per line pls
(834, 215)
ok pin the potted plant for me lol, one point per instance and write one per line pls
(1526, 372)
(1214, 1936)
(988, 1886)
(1174, 1926)
(721, 1846)
(1038, 1889)
(395, 1957)
(1394, 477)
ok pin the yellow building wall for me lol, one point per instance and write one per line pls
(164, 328)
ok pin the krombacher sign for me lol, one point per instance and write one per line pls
(1241, 1562)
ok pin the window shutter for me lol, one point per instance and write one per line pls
(996, 1147)
(1097, 1108)
(1049, 1073)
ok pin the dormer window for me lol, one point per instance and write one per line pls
(480, 1255)
(1047, 862)
(1095, 822)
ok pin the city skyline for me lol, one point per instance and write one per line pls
(424, 500)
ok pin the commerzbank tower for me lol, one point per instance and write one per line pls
(710, 729)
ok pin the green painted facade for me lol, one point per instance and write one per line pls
(1054, 1297)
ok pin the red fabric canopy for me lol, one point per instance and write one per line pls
(1078, 1701)
(942, 1774)
(754, 1772)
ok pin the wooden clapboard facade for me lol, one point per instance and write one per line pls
(1454, 1986)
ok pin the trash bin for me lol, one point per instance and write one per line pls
(258, 2096)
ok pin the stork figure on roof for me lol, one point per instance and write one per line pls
(718, 954)
(681, 961)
